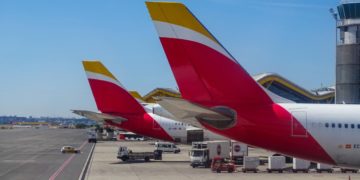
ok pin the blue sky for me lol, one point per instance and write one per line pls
(42, 44)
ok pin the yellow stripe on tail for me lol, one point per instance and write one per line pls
(97, 67)
(178, 14)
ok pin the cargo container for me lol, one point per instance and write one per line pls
(301, 165)
(324, 167)
(250, 164)
(276, 163)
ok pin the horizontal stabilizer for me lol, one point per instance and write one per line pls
(193, 114)
(99, 116)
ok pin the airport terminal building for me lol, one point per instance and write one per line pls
(271, 81)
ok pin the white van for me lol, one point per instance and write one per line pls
(166, 147)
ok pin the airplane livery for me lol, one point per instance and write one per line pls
(229, 102)
(118, 108)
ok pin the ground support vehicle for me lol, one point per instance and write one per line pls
(202, 153)
(345, 170)
(167, 147)
(69, 149)
(125, 155)
(220, 164)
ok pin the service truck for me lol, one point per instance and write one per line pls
(202, 153)
(126, 154)
(92, 137)
(238, 151)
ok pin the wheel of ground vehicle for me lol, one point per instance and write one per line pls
(218, 171)
(230, 170)
(125, 158)
(147, 159)
(193, 166)
(207, 165)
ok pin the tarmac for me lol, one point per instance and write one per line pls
(104, 166)
(29, 153)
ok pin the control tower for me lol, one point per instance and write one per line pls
(348, 52)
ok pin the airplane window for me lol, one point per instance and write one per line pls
(346, 125)
(327, 125)
(358, 126)
(352, 126)
(333, 125)
(339, 125)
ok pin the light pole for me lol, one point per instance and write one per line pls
(335, 16)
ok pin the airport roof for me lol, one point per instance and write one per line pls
(149, 97)
(266, 79)
(271, 81)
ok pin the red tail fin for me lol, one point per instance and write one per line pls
(109, 94)
(203, 68)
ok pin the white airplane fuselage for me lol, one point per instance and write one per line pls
(335, 127)
(176, 129)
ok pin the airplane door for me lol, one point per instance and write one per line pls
(299, 124)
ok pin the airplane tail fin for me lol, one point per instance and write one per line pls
(110, 95)
(204, 70)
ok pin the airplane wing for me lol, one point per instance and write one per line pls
(193, 114)
(99, 116)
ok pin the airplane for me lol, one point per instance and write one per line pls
(229, 102)
(120, 109)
